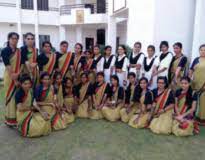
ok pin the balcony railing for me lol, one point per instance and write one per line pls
(7, 4)
(66, 9)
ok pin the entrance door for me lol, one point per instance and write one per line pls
(89, 43)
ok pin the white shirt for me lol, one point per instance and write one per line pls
(125, 64)
(112, 64)
(100, 64)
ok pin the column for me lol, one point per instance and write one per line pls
(199, 25)
(19, 29)
(79, 34)
(112, 33)
(140, 24)
(36, 26)
(62, 33)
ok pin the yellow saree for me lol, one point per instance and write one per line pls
(49, 67)
(10, 88)
(30, 123)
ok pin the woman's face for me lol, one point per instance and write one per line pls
(26, 85)
(69, 83)
(161, 84)
(108, 51)
(100, 78)
(89, 55)
(84, 79)
(143, 84)
(202, 52)
(96, 50)
(47, 48)
(59, 79)
(46, 80)
(121, 51)
(29, 41)
(164, 49)
(185, 85)
(13, 40)
(177, 50)
(64, 48)
(137, 48)
(131, 79)
(114, 82)
(77, 49)
(150, 52)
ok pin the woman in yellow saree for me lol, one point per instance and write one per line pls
(89, 64)
(184, 123)
(32, 121)
(79, 63)
(129, 107)
(30, 54)
(65, 114)
(143, 96)
(178, 67)
(197, 73)
(84, 97)
(13, 61)
(47, 60)
(115, 101)
(65, 60)
(47, 101)
(163, 108)
(100, 94)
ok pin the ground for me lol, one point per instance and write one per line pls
(98, 140)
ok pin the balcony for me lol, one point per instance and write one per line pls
(83, 14)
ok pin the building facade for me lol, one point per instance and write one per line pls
(106, 22)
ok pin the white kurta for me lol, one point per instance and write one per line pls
(148, 74)
(107, 72)
(165, 63)
(100, 64)
(140, 61)
(123, 76)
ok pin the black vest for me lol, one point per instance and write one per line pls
(95, 62)
(119, 64)
(135, 59)
(107, 63)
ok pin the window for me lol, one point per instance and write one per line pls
(101, 36)
(101, 6)
(42, 5)
(27, 4)
(43, 38)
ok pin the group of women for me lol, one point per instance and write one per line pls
(47, 91)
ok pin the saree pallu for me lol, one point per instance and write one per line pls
(35, 72)
(78, 70)
(112, 113)
(57, 123)
(125, 116)
(30, 123)
(69, 117)
(176, 85)
(163, 123)
(97, 113)
(142, 118)
(49, 67)
(64, 63)
(10, 89)
(197, 84)
(82, 111)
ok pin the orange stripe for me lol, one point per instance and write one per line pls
(66, 63)
(163, 100)
(50, 68)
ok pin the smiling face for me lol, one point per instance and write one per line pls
(177, 50)
(184, 84)
(161, 84)
(64, 48)
(29, 41)
(150, 52)
(26, 85)
(121, 50)
(164, 49)
(13, 40)
(108, 51)
(143, 84)
(137, 48)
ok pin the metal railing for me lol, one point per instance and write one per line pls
(66, 9)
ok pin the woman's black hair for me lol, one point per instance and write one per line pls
(151, 47)
(101, 74)
(47, 42)
(56, 74)
(178, 44)
(63, 42)
(165, 81)
(29, 34)
(124, 48)
(107, 47)
(67, 79)
(163, 43)
(84, 74)
(131, 74)
(11, 34)
(44, 74)
(115, 77)
(186, 78)
(201, 46)
(24, 77)
(138, 89)
(79, 44)
(138, 43)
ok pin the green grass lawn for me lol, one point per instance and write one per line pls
(100, 140)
